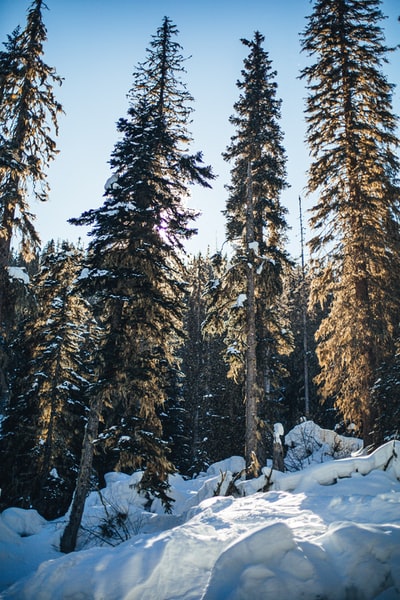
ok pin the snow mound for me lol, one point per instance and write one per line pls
(367, 557)
(387, 457)
(234, 464)
(26, 541)
(308, 443)
(276, 545)
(269, 563)
(22, 522)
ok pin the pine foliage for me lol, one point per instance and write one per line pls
(386, 399)
(43, 428)
(28, 110)
(213, 424)
(297, 288)
(130, 357)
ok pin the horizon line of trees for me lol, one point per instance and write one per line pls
(130, 355)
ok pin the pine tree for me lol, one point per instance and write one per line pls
(28, 109)
(248, 294)
(135, 271)
(296, 296)
(173, 416)
(213, 421)
(386, 399)
(351, 134)
(43, 428)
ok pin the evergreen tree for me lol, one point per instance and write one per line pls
(386, 399)
(27, 111)
(351, 134)
(296, 297)
(246, 299)
(135, 271)
(213, 420)
(43, 428)
(173, 417)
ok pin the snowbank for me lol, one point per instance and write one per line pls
(349, 561)
(334, 541)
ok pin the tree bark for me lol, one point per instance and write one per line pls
(304, 314)
(251, 338)
(69, 537)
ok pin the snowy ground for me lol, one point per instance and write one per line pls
(330, 531)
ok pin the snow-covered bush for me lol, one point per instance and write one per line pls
(308, 444)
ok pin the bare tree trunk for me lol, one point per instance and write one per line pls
(69, 537)
(6, 306)
(304, 311)
(251, 386)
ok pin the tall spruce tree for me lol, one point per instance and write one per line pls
(28, 111)
(246, 299)
(356, 251)
(43, 427)
(135, 271)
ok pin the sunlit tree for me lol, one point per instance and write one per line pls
(28, 113)
(354, 171)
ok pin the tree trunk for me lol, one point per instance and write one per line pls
(251, 339)
(69, 537)
(6, 308)
(304, 313)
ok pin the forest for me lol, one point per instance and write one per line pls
(128, 354)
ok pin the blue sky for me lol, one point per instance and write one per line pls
(95, 45)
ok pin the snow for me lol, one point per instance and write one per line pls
(54, 474)
(234, 464)
(254, 246)
(330, 530)
(241, 299)
(308, 443)
(18, 273)
(278, 433)
(111, 183)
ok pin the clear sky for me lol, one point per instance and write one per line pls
(96, 44)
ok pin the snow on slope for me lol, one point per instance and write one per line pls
(335, 535)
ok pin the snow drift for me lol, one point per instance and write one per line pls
(330, 531)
